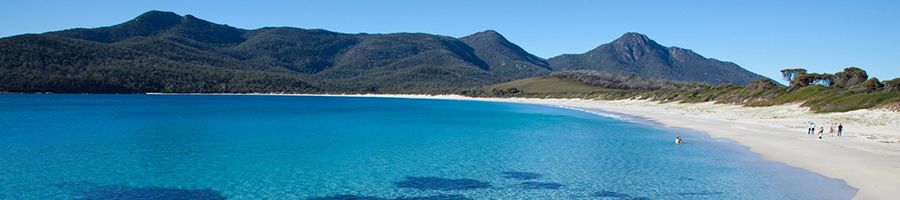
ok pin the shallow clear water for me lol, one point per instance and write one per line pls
(277, 147)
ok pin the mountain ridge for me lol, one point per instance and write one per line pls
(161, 51)
(635, 53)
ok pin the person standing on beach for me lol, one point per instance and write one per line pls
(808, 124)
(821, 130)
(830, 128)
(840, 129)
(812, 128)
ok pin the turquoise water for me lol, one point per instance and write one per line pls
(278, 147)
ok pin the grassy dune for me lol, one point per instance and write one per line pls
(548, 85)
(817, 98)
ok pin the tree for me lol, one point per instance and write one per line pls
(870, 85)
(822, 79)
(849, 77)
(801, 80)
(804, 80)
(892, 85)
(795, 77)
(790, 74)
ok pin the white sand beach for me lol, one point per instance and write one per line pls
(867, 156)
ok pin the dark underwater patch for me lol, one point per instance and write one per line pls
(610, 194)
(437, 197)
(150, 193)
(444, 184)
(347, 197)
(521, 175)
(699, 193)
(616, 195)
(540, 185)
(355, 197)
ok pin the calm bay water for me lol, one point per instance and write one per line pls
(279, 147)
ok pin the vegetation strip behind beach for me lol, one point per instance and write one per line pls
(850, 89)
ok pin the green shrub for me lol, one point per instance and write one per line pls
(892, 85)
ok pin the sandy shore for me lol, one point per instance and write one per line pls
(867, 156)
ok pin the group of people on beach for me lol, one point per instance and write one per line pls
(812, 129)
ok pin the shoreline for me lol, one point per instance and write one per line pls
(867, 157)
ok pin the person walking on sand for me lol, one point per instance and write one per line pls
(821, 130)
(830, 128)
(840, 129)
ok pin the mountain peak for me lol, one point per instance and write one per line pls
(153, 21)
(187, 26)
(155, 16)
(634, 35)
(162, 24)
(504, 57)
(631, 47)
(489, 31)
(632, 39)
(487, 34)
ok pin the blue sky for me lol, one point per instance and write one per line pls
(762, 36)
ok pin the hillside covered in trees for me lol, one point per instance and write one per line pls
(166, 52)
(847, 90)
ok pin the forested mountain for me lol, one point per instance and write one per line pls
(634, 53)
(505, 58)
(166, 52)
